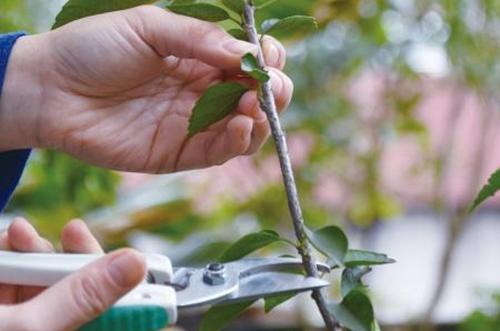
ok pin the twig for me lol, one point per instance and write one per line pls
(268, 105)
(460, 216)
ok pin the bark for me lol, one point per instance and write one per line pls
(268, 105)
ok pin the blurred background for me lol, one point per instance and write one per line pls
(393, 129)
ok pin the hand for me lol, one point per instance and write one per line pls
(117, 90)
(78, 298)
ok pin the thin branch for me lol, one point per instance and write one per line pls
(460, 215)
(268, 105)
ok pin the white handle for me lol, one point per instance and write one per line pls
(42, 269)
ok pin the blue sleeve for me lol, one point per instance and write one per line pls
(12, 163)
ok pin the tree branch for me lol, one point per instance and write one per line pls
(268, 105)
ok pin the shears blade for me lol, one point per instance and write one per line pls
(248, 279)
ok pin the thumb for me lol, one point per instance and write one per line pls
(83, 296)
(185, 37)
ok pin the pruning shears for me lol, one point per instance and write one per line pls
(154, 304)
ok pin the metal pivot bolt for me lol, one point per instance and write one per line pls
(215, 274)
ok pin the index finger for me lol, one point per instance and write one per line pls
(185, 37)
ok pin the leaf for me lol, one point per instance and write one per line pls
(220, 316)
(356, 257)
(181, 2)
(76, 9)
(272, 302)
(237, 6)
(290, 27)
(354, 312)
(260, 4)
(331, 241)
(352, 279)
(250, 66)
(268, 24)
(489, 190)
(203, 255)
(202, 11)
(215, 104)
(238, 34)
(249, 244)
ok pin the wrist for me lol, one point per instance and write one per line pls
(21, 96)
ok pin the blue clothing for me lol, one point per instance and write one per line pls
(12, 163)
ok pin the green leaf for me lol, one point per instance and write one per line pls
(272, 302)
(260, 4)
(356, 257)
(181, 2)
(352, 279)
(249, 244)
(237, 6)
(290, 27)
(268, 24)
(250, 66)
(76, 9)
(204, 254)
(220, 316)
(331, 241)
(489, 190)
(202, 11)
(238, 34)
(215, 104)
(355, 311)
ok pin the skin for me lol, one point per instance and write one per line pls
(84, 295)
(117, 90)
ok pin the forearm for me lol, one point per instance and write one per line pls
(21, 96)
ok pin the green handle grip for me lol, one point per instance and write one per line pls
(130, 318)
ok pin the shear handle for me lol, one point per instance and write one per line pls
(45, 269)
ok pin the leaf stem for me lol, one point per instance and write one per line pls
(268, 105)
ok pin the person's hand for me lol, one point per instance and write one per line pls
(117, 90)
(78, 298)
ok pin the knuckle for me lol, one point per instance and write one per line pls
(89, 296)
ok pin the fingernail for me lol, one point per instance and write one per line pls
(126, 269)
(46, 245)
(240, 47)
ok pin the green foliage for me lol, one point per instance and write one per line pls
(218, 317)
(290, 27)
(204, 255)
(250, 66)
(480, 321)
(356, 257)
(218, 102)
(352, 279)
(235, 5)
(261, 4)
(215, 104)
(202, 11)
(76, 9)
(355, 311)
(272, 302)
(331, 241)
(489, 190)
(237, 33)
(249, 244)
(58, 188)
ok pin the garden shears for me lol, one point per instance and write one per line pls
(154, 303)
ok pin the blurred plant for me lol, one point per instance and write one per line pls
(484, 320)
(58, 188)
(349, 138)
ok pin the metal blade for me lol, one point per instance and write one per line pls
(242, 280)
(270, 284)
